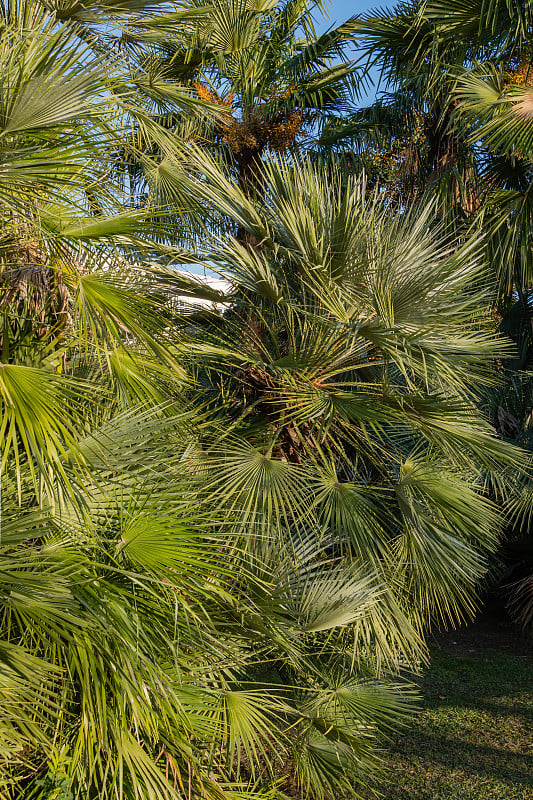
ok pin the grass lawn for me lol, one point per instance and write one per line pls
(473, 739)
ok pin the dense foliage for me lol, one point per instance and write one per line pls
(455, 124)
(227, 529)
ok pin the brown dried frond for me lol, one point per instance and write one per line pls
(520, 603)
(507, 424)
(31, 288)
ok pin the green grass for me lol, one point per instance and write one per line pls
(473, 738)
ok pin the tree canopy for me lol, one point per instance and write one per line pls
(227, 529)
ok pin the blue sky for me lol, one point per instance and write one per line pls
(341, 10)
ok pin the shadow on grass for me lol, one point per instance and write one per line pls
(474, 759)
(473, 737)
(502, 711)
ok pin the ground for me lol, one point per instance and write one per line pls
(473, 738)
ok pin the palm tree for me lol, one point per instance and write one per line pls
(270, 553)
(139, 637)
(412, 136)
(348, 364)
(208, 589)
(453, 120)
(144, 654)
(267, 79)
(74, 259)
(466, 73)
